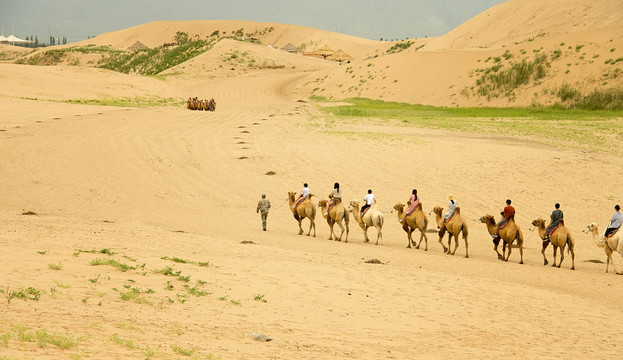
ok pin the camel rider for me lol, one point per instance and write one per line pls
(369, 199)
(452, 204)
(336, 195)
(556, 216)
(414, 200)
(507, 213)
(615, 222)
(302, 197)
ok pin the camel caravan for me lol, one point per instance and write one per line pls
(205, 105)
(413, 218)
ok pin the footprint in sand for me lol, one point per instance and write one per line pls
(244, 132)
(242, 158)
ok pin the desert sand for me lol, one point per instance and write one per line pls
(164, 187)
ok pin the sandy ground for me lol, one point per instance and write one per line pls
(172, 193)
(157, 183)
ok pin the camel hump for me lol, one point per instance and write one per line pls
(561, 222)
(457, 210)
(511, 217)
(418, 207)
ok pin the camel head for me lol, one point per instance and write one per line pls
(354, 204)
(399, 207)
(438, 210)
(291, 195)
(487, 219)
(538, 223)
(322, 203)
(592, 227)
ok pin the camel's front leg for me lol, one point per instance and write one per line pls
(456, 243)
(410, 238)
(496, 243)
(300, 226)
(545, 245)
(442, 245)
(365, 234)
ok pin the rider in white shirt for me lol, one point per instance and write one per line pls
(369, 199)
(304, 195)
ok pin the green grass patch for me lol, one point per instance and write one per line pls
(29, 293)
(54, 266)
(182, 351)
(598, 129)
(114, 263)
(154, 61)
(398, 47)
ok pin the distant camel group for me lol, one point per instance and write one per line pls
(560, 237)
(196, 104)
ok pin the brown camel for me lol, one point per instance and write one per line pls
(336, 215)
(212, 105)
(614, 243)
(509, 234)
(306, 209)
(373, 217)
(416, 220)
(189, 104)
(455, 226)
(559, 239)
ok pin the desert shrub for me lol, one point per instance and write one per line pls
(398, 47)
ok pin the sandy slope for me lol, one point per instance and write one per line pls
(167, 182)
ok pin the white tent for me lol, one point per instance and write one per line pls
(14, 40)
(3, 39)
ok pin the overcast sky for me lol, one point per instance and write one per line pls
(373, 19)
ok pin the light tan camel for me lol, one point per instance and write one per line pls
(373, 217)
(614, 243)
(417, 220)
(509, 234)
(456, 226)
(559, 239)
(306, 209)
(338, 214)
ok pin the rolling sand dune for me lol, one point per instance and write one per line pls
(171, 194)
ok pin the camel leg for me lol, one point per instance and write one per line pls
(496, 243)
(572, 258)
(407, 229)
(365, 234)
(456, 243)
(331, 230)
(313, 224)
(411, 241)
(510, 248)
(339, 223)
(555, 249)
(300, 227)
(520, 243)
(562, 255)
(379, 236)
(449, 244)
(545, 245)
(466, 246)
(442, 245)
(423, 237)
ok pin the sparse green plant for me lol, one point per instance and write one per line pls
(125, 342)
(234, 302)
(182, 351)
(54, 266)
(120, 266)
(61, 341)
(29, 293)
(42, 252)
(258, 297)
(398, 47)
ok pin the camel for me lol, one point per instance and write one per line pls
(212, 105)
(189, 104)
(509, 234)
(614, 243)
(454, 227)
(559, 239)
(373, 217)
(306, 209)
(417, 220)
(335, 216)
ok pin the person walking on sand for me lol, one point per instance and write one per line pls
(262, 207)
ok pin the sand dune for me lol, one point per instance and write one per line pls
(171, 194)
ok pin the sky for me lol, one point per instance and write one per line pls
(373, 19)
